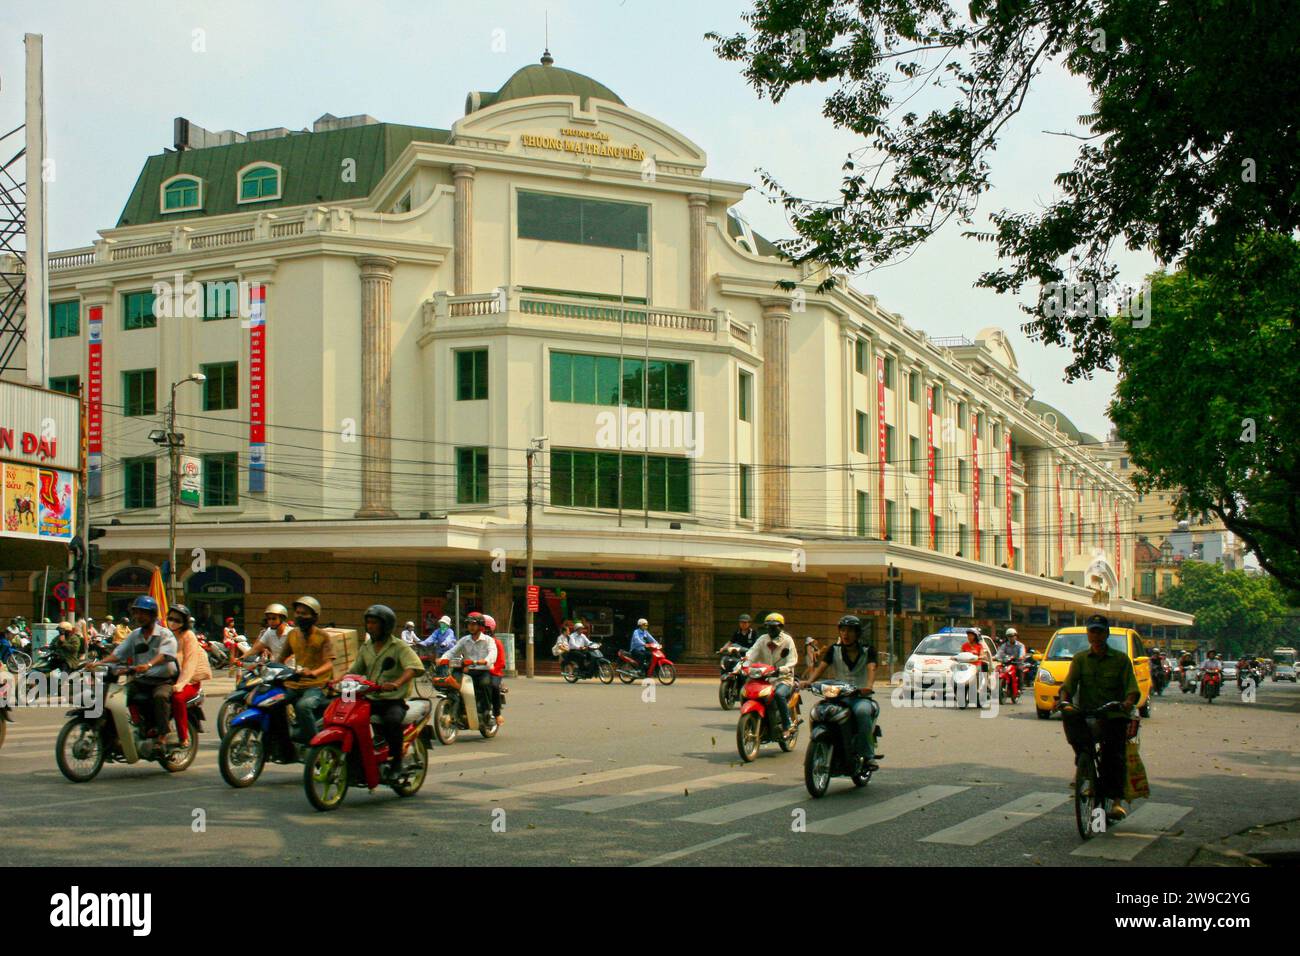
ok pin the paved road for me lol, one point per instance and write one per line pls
(589, 774)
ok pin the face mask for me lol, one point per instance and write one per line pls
(304, 623)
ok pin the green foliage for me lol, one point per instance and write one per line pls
(1208, 395)
(1191, 141)
(1238, 613)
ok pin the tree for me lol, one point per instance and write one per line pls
(1208, 392)
(1236, 612)
(1192, 140)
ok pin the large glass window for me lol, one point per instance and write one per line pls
(221, 388)
(220, 299)
(221, 480)
(917, 539)
(860, 355)
(139, 392)
(586, 222)
(67, 384)
(137, 311)
(914, 459)
(890, 363)
(471, 476)
(860, 436)
(140, 489)
(864, 510)
(65, 319)
(471, 375)
(889, 520)
(587, 479)
(890, 442)
(594, 380)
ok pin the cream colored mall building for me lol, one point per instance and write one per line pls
(423, 303)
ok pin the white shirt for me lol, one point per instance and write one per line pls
(484, 649)
(273, 639)
(409, 635)
(578, 639)
(761, 654)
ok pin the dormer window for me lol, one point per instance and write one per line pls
(259, 182)
(182, 194)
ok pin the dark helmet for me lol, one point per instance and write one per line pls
(474, 617)
(744, 619)
(145, 603)
(851, 620)
(385, 615)
(180, 609)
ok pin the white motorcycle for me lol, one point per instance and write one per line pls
(971, 683)
(458, 707)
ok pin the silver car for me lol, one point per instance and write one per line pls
(1229, 670)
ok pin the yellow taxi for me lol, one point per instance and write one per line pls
(1069, 641)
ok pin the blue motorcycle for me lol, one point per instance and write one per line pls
(261, 731)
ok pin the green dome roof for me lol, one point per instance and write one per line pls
(1042, 409)
(543, 79)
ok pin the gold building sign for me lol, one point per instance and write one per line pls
(583, 141)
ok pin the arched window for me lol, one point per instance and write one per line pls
(259, 182)
(181, 193)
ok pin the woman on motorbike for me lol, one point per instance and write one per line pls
(194, 668)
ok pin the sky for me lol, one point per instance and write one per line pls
(118, 71)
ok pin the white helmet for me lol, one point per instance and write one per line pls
(642, 622)
(444, 620)
(410, 624)
(1009, 632)
(578, 626)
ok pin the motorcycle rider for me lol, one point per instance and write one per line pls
(68, 644)
(1101, 674)
(579, 643)
(409, 634)
(745, 634)
(313, 653)
(1012, 650)
(1212, 663)
(443, 637)
(274, 636)
(475, 647)
(194, 669)
(849, 660)
(768, 650)
(149, 652)
(392, 665)
(8, 692)
(642, 641)
(122, 631)
(497, 673)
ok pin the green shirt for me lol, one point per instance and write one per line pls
(1106, 678)
(386, 665)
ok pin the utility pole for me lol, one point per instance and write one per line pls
(174, 443)
(534, 447)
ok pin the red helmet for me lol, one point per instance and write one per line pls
(489, 623)
(475, 617)
(230, 620)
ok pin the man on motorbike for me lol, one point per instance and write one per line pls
(274, 636)
(579, 645)
(745, 634)
(313, 654)
(1212, 664)
(1099, 675)
(442, 639)
(1010, 649)
(8, 693)
(68, 644)
(392, 664)
(194, 669)
(849, 660)
(768, 650)
(149, 652)
(642, 641)
(409, 634)
(476, 647)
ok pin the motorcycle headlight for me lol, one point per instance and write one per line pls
(1045, 678)
(832, 691)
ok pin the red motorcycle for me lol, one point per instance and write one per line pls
(1211, 681)
(346, 751)
(661, 668)
(1008, 681)
(760, 721)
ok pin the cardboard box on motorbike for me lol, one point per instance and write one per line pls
(346, 643)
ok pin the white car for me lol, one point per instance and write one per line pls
(1284, 672)
(929, 669)
(1229, 670)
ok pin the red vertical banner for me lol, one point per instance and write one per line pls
(257, 389)
(880, 437)
(1011, 545)
(929, 454)
(95, 400)
(975, 465)
(1119, 558)
(1060, 526)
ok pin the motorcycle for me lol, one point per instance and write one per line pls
(1211, 681)
(260, 731)
(591, 664)
(346, 750)
(49, 661)
(970, 680)
(1008, 676)
(830, 749)
(760, 722)
(459, 708)
(218, 656)
(238, 698)
(1187, 678)
(1252, 673)
(661, 668)
(1028, 672)
(113, 732)
(729, 681)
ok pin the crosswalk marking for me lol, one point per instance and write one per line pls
(562, 783)
(883, 811)
(448, 776)
(678, 854)
(651, 794)
(980, 828)
(748, 808)
(438, 759)
(1135, 833)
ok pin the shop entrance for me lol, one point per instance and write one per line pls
(213, 596)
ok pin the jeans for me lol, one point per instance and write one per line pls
(483, 690)
(782, 696)
(154, 699)
(496, 696)
(307, 703)
(1114, 744)
(865, 712)
(643, 658)
(392, 715)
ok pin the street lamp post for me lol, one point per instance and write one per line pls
(534, 447)
(174, 444)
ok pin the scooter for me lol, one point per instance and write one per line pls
(1187, 679)
(830, 750)
(261, 731)
(458, 707)
(760, 722)
(1211, 681)
(49, 660)
(238, 698)
(594, 664)
(729, 680)
(661, 668)
(970, 681)
(1008, 676)
(218, 657)
(110, 731)
(347, 751)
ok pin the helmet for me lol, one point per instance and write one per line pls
(279, 609)
(474, 617)
(642, 622)
(180, 609)
(145, 603)
(578, 626)
(410, 624)
(973, 630)
(65, 626)
(1009, 632)
(385, 615)
(489, 623)
(309, 602)
(774, 618)
(230, 620)
(744, 619)
(851, 620)
(444, 620)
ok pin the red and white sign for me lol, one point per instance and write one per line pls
(257, 389)
(975, 461)
(880, 436)
(95, 397)
(1011, 545)
(929, 452)
(534, 598)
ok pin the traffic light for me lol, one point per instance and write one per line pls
(76, 554)
(94, 570)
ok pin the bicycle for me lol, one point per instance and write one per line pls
(19, 662)
(1087, 768)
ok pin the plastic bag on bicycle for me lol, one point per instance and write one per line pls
(1135, 773)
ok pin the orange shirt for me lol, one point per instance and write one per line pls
(975, 648)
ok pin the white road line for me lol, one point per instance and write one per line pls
(121, 795)
(1135, 833)
(451, 776)
(886, 810)
(1007, 817)
(678, 854)
(651, 794)
(748, 808)
(562, 783)
(437, 759)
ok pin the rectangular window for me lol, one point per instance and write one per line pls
(890, 368)
(860, 355)
(864, 510)
(889, 520)
(963, 416)
(221, 480)
(914, 387)
(890, 442)
(914, 459)
(939, 544)
(963, 537)
(917, 539)
(746, 491)
(997, 492)
(1167, 581)
(141, 483)
(746, 392)
(1015, 508)
(67, 384)
(860, 439)
(594, 380)
(937, 397)
(65, 319)
(586, 222)
(963, 475)
(1148, 583)
(938, 466)
(221, 388)
(471, 375)
(586, 479)
(139, 392)
(998, 559)
(471, 476)
(997, 437)
(220, 299)
(137, 311)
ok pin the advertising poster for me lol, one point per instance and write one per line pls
(191, 480)
(56, 497)
(37, 502)
(431, 608)
(20, 500)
